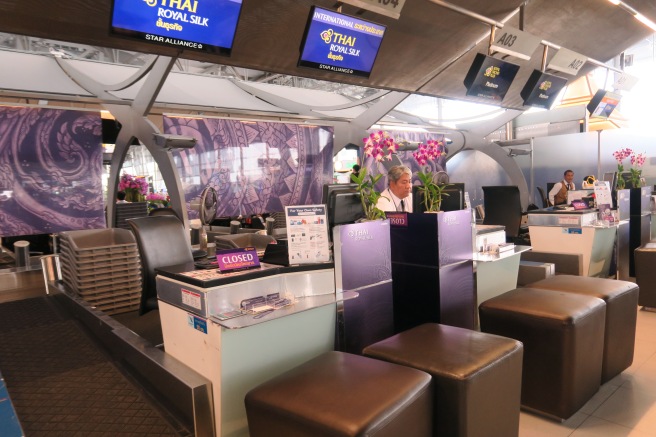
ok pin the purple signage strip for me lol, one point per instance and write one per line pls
(397, 218)
(237, 259)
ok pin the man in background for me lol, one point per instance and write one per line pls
(558, 194)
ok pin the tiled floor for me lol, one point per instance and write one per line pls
(623, 407)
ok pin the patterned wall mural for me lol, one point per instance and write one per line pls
(255, 167)
(50, 171)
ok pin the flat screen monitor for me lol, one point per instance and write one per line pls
(542, 89)
(203, 25)
(603, 104)
(454, 201)
(339, 43)
(489, 78)
(344, 206)
(329, 188)
(611, 178)
(573, 195)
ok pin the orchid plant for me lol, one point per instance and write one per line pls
(432, 192)
(636, 160)
(380, 146)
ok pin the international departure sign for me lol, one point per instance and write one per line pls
(340, 43)
(205, 25)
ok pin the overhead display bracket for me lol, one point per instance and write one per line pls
(390, 8)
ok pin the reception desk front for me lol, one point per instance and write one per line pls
(238, 353)
(574, 232)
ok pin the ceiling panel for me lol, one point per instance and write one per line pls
(428, 50)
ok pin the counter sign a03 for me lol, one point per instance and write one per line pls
(339, 43)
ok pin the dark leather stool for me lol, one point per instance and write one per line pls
(621, 299)
(476, 377)
(645, 260)
(563, 337)
(340, 394)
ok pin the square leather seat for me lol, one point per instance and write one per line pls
(476, 377)
(339, 394)
(563, 337)
(621, 299)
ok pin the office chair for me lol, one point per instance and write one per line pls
(162, 241)
(503, 207)
(543, 197)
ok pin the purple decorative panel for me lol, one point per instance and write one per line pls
(374, 168)
(362, 254)
(255, 167)
(50, 171)
(454, 236)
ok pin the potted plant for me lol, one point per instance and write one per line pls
(431, 191)
(135, 187)
(636, 160)
(380, 146)
(368, 194)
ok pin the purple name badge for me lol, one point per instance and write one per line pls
(397, 218)
(237, 259)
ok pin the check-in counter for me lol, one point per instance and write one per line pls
(203, 328)
(571, 231)
(496, 273)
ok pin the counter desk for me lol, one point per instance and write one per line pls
(574, 232)
(203, 327)
(496, 273)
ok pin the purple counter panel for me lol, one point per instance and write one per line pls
(432, 270)
(363, 264)
(255, 167)
(50, 171)
(433, 239)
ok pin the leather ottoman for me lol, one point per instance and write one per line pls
(340, 394)
(476, 377)
(645, 271)
(621, 299)
(563, 337)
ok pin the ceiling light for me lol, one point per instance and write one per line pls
(615, 2)
(646, 21)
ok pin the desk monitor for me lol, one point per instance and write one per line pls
(329, 188)
(455, 200)
(344, 206)
(573, 195)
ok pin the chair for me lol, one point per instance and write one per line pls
(503, 207)
(162, 241)
(163, 211)
(543, 197)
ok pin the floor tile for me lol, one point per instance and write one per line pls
(532, 425)
(596, 427)
(631, 408)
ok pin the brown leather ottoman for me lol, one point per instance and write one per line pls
(621, 299)
(645, 260)
(340, 394)
(563, 337)
(476, 377)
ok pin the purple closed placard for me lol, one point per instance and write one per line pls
(237, 259)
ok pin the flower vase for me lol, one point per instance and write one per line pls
(132, 195)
